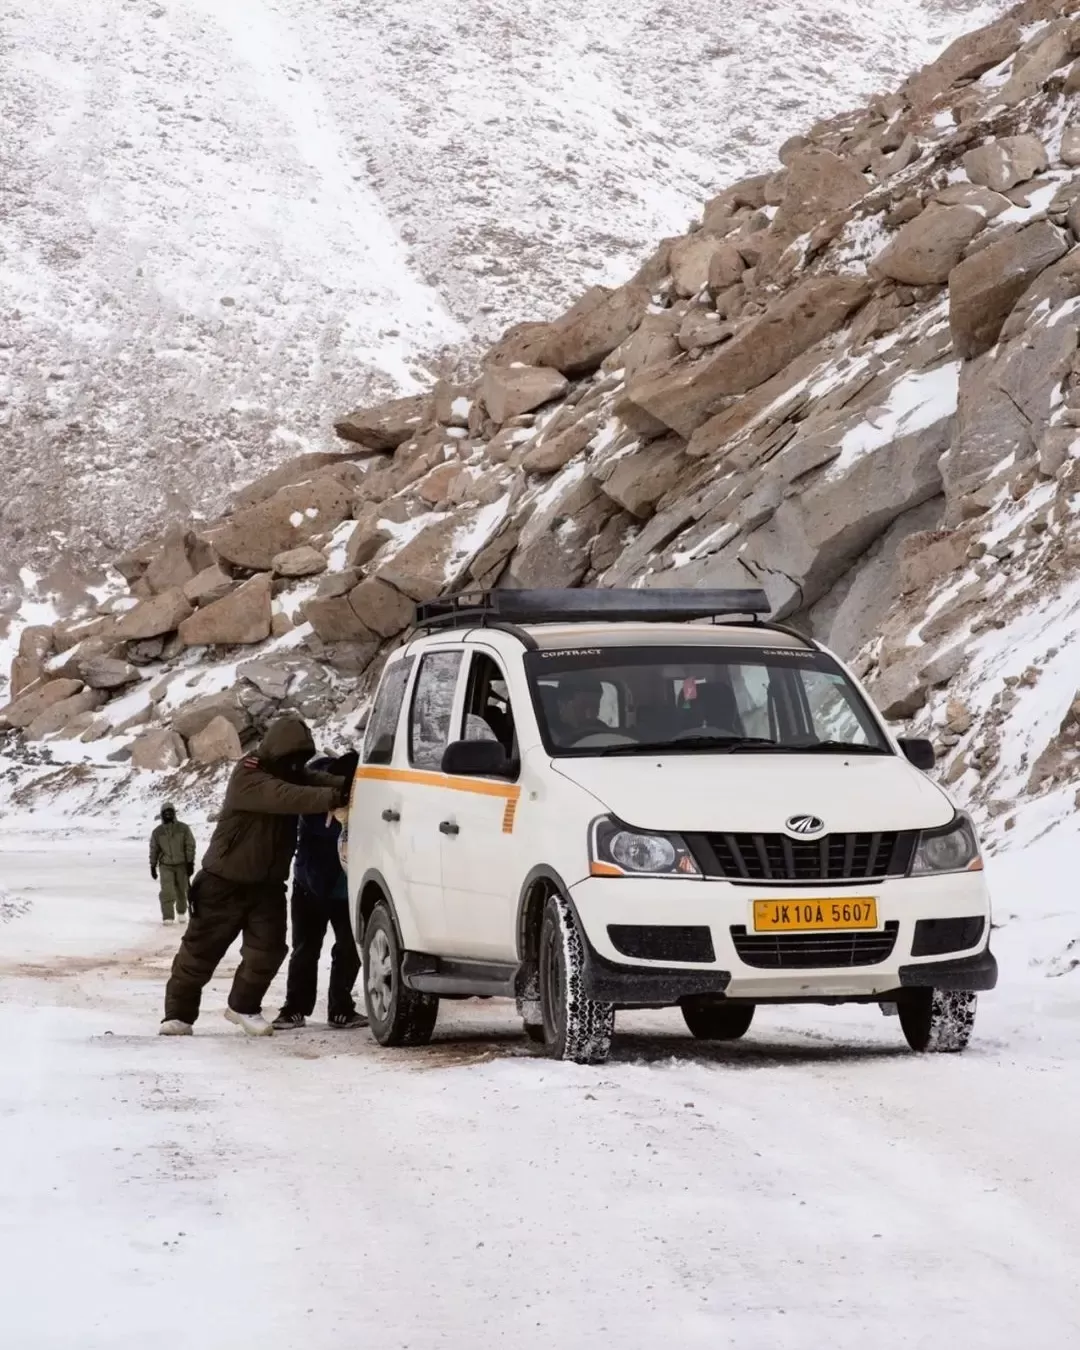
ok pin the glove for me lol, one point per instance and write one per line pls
(190, 870)
(153, 873)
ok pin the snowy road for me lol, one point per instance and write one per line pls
(813, 1186)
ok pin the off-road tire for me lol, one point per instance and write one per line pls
(575, 1028)
(717, 1021)
(937, 1021)
(402, 1016)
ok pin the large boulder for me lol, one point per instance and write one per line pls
(1046, 52)
(191, 718)
(182, 555)
(550, 453)
(152, 618)
(816, 534)
(242, 617)
(684, 395)
(388, 425)
(964, 60)
(212, 583)
(335, 620)
(817, 184)
(296, 470)
(1002, 164)
(1006, 399)
(600, 321)
(158, 751)
(926, 249)
(691, 261)
(653, 344)
(438, 558)
(985, 287)
(32, 703)
(381, 608)
(35, 647)
(216, 742)
(254, 537)
(509, 391)
(637, 481)
(554, 546)
(300, 562)
(106, 672)
(58, 715)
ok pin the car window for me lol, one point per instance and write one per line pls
(832, 712)
(488, 715)
(382, 726)
(433, 702)
(622, 700)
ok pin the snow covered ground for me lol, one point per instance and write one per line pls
(224, 224)
(815, 1185)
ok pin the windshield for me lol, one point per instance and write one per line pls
(632, 700)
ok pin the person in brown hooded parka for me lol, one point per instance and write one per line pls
(241, 886)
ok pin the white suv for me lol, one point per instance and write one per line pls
(588, 800)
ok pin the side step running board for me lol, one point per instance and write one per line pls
(458, 979)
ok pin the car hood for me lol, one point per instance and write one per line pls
(751, 793)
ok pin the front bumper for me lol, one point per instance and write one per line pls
(682, 906)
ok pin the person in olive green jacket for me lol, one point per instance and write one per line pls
(172, 859)
(240, 888)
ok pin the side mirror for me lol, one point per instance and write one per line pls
(477, 759)
(920, 753)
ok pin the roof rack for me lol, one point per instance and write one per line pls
(509, 607)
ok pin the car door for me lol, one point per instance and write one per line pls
(480, 854)
(374, 834)
(425, 805)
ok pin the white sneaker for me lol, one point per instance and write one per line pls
(253, 1024)
(174, 1027)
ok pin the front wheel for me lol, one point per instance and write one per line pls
(707, 1021)
(398, 1015)
(576, 1027)
(938, 1021)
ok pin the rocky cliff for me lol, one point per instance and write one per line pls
(855, 381)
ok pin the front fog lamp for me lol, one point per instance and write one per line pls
(617, 850)
(953, 849)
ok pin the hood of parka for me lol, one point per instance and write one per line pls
(286, 738)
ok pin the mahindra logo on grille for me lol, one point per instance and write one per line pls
(806, 826)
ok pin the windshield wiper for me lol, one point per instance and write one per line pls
(723, 744)
(841, 748)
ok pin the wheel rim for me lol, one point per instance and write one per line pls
(551, 984)
(380, 975)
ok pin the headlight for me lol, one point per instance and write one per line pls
(616, 851)
(952, 849)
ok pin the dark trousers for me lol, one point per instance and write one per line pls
(222, 911)
(311, 913)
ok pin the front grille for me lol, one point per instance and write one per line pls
(804, 951)
(662, 942)
(777, 857)
(936, 937)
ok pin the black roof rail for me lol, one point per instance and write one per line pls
(582, 604)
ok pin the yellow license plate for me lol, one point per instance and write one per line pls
(795, 916)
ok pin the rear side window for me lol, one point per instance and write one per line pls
(382, 727)
(433, 702)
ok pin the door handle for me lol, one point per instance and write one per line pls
(448, 827)
(391, 816)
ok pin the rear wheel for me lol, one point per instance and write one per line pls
(575, 1027)
(938, 1021)
(398, 1015)
(707, 1021)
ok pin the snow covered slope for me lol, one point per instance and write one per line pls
(222, 223)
